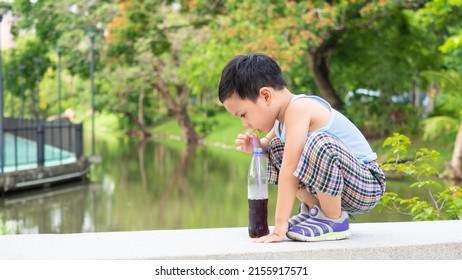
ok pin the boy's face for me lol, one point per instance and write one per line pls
(254, 115)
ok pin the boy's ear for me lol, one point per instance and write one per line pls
(267, 94)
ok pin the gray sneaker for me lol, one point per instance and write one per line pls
(300, 217)
(318, 227)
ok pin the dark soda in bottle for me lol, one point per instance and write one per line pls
(258, 195)
(258, 217)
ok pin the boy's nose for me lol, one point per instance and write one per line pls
(246, 124)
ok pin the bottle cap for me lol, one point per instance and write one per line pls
(257, 152)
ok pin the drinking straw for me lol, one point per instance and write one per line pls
(257, 160)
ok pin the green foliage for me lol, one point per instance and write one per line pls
(139, 43)
(25, 67)
(23, 86)
(445, 201)
(382, 46)
(4, 229)
(66, 25)
(382, 33)
(22, 56)
(124, 90)
(204, 118)
(443, 16)
(440, 127)
(447, 116)
(377, 116)
(139, 20)
(450, 84)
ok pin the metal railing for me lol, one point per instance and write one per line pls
(32, 143)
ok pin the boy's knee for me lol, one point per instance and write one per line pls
(275, 152)
(275, 148)
(275, 142)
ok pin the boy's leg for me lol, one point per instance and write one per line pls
(307, 198)
(333, 173)
(330, 205)
(275, 154)
(325, 222)
(324, 167)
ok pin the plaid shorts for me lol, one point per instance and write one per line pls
(328, 166)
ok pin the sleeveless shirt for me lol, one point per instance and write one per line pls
(339, 127)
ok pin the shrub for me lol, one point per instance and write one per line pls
(445, 202)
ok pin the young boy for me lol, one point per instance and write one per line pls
(314, 152)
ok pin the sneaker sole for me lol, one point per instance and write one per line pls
(328, 236)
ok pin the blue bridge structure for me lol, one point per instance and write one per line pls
(38, 153)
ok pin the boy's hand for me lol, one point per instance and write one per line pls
(244, 142)
(276, 236)
(270, 238)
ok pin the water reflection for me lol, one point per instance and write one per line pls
(146, 186)
(46, 211)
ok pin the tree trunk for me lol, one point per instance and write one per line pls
(317, 59)
(141, 126)
(182, 116)
(139, 121)
(177, 105)
(456, 162)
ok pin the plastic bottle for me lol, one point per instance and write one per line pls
(258, 195)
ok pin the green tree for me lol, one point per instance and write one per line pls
(153, 36)
(311, 36)
(125, 93)
(445, 201)
(66, 25)
(28, 63)
(59, 25)
(444, 17)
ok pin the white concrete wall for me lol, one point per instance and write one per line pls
(402, 241)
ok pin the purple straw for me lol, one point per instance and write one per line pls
(257, 160)
(254, 142)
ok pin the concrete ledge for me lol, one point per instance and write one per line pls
(402, 241)
(42, 176)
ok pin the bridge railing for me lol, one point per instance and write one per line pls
(31, 143)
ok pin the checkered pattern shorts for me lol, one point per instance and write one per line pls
(328, 166)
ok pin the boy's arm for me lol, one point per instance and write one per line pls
(297, 125)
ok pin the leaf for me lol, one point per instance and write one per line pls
(457, 202)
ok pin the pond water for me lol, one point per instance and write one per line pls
(152, 185)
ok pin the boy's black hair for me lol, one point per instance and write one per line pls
(247, 74)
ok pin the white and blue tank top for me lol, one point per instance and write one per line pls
(339, 127)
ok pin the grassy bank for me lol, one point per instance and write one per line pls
(223, 132)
